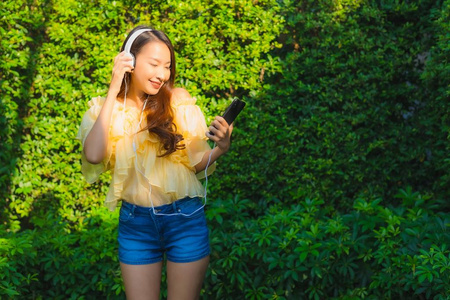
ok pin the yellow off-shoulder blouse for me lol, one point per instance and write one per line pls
(171, 177)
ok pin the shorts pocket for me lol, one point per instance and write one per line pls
(192, 208)
(126, 212)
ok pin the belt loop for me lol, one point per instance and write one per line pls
(174, 206)
(133, 208)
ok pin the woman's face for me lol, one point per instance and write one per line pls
(152, 68)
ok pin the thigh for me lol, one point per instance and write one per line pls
(142, 281)
(185, 280)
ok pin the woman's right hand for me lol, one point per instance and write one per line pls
(122, 64)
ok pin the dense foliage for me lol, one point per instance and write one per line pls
(337, 183)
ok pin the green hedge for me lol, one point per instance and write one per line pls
(55, 261)
(337, 182)
(354, 108)
(298, 251)
(309, 251)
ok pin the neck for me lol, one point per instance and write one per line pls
(135, 94)
(134, 98)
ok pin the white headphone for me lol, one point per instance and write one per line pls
(127, 50)
(131, 41)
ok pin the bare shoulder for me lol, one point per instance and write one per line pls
(181, 96)
(180, 93)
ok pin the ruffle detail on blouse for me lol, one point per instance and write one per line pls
(92, 171)
(173, 176)
(191, 124)
(121, 125)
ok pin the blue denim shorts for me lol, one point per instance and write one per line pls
(144, 238)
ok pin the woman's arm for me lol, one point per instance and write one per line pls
(219, 127)
(96, 141)
(222, 137)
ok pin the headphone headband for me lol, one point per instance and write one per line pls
(133, 37)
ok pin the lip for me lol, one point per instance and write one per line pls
(156, 84)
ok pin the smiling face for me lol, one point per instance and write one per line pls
(152, 68)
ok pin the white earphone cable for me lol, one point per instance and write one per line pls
(136, 164)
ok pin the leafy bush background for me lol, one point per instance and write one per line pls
(337, 182)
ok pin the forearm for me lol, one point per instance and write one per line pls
(216, 153)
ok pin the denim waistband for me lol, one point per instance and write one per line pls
(165, 208)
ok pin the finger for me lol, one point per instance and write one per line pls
(222, 121)
(127, 56)
(215, 131)
(128, 69)
(124, 55)
(122, 66)
(211, 137)
(230, 128)
(118, 57)
(220, 124)
(121, 70)
(219, 130)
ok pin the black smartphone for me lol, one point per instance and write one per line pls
(232, 111)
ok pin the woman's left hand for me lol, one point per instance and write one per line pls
(222, 133)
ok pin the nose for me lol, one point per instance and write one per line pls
(160, 74)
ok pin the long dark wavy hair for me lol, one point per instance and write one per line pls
(158, 109)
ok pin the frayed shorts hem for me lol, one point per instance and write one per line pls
(188, 259)
(157, 260)
(140, 262)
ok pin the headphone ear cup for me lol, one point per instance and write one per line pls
(130, 41)
(133, 62)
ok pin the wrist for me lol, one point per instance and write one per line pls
(221, 151)
(113, 92)
(115, 85)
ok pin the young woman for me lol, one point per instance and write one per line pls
(153, 138)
